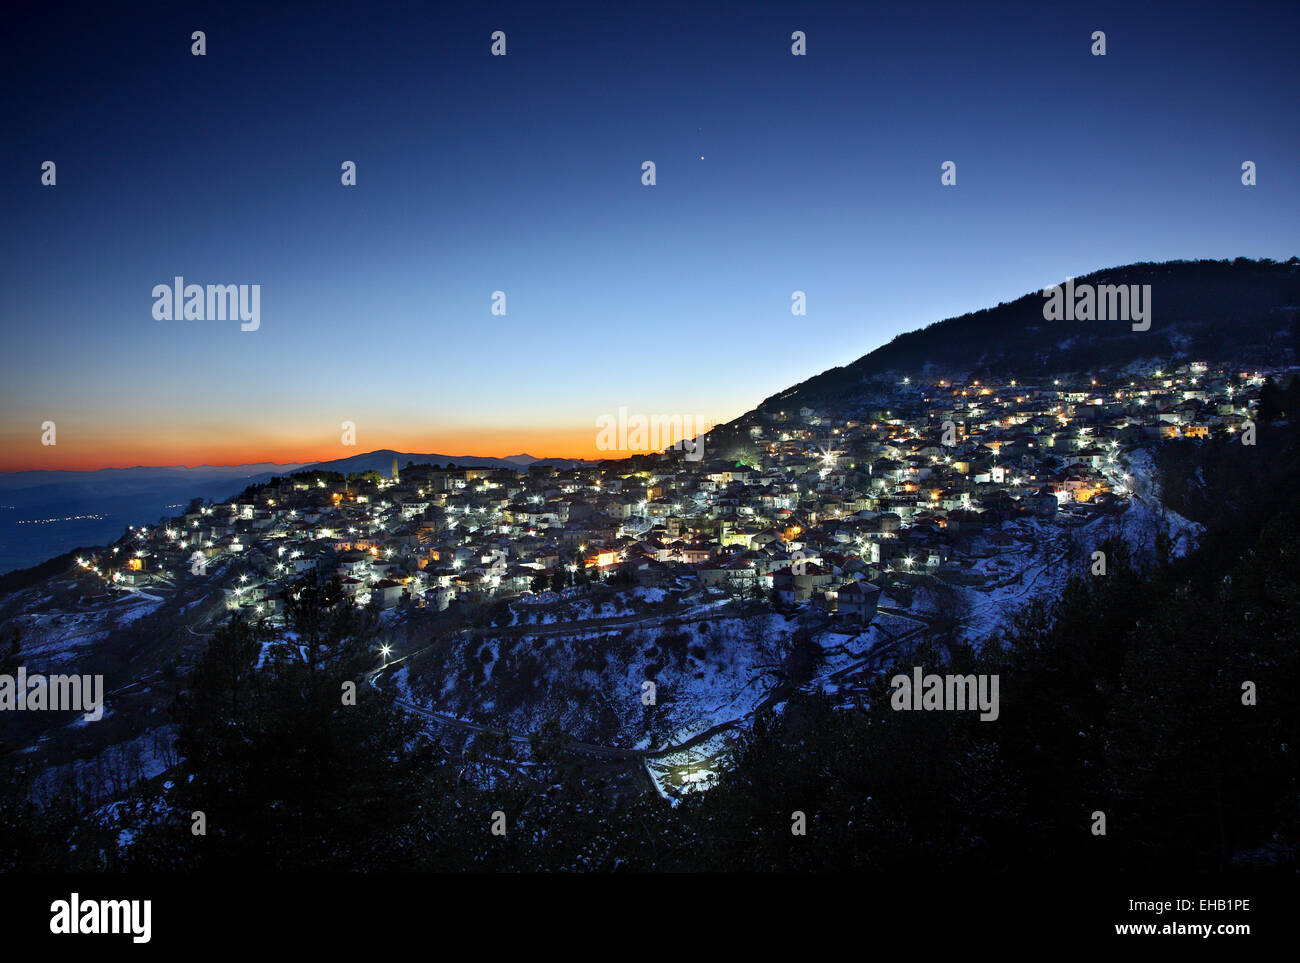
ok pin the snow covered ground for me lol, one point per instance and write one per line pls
(1038, 562)
(591, 677)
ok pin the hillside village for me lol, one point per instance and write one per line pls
(807, 507)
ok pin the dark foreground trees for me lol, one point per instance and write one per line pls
(290, 755)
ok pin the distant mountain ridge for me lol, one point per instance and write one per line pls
(1206, 310)
(382, 461)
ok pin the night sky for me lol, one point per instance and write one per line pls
(522, 173)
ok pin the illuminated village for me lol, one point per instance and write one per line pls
(803, 507)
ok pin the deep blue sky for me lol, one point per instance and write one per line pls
(522, 173)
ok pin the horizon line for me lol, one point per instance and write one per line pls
(300, 465)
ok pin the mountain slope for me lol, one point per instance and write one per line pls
(1208, 310)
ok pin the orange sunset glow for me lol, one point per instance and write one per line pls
(80, 449)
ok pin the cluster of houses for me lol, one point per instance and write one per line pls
(811, 507)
